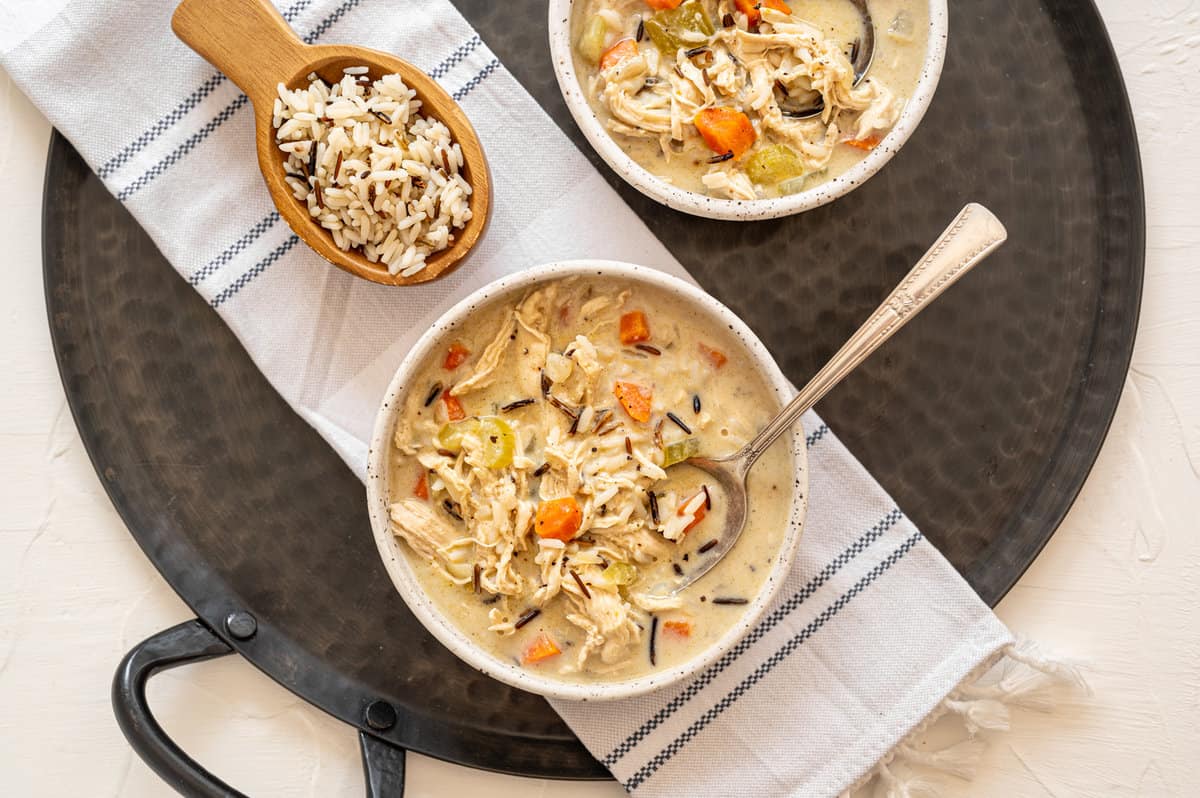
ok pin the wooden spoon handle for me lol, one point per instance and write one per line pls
(245, 39)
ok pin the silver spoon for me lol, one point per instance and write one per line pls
(862, 53)
(970, 238)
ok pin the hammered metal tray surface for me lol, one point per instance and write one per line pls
(982, 419)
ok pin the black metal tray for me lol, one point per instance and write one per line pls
(982, 419)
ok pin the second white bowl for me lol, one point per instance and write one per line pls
(405, 579)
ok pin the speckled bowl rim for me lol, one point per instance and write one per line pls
(742, 210)
(406, 581)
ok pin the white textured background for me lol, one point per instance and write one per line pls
(1118, 585)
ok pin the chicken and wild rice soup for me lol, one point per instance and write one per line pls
(527, 479)
(746, 99)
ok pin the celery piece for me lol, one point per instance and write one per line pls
(450, 436)
(773, 164)
(679, 451)
(665, 27)
(498, 442)
(496, 439)
(591, 41)
(620, 573)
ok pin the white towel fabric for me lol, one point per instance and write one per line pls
(872, 630)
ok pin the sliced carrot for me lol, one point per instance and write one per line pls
(698, 515)
(540, 648)
(625, 48)
(634, 329)
(678, 628)
(725, 130)
(456, 355)
(635, 399)
(866, 145)
(663, 5)
(421, 489)
(454, 408)
(715, 356)
(558, 519)
(751, 9)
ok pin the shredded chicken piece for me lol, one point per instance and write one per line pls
(434, 539)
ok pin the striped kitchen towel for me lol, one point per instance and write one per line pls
(870, 634)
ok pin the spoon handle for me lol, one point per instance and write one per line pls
(246, 39)
(970, 238)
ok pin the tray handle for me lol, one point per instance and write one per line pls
(192, 641)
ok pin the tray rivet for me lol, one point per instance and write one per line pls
(241, 625)
(380, 715)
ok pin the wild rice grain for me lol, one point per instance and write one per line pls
(653, 635)
(679, 423)
(586, 593)
(433, 393)
(526, 617)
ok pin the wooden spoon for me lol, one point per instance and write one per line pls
(252, 44)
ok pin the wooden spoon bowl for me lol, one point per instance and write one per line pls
(252, 44)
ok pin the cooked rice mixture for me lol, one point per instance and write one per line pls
(373, 171)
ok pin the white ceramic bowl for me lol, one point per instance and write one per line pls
(430, 346)
(741, 210)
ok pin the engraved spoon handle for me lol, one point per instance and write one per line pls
(970, 238)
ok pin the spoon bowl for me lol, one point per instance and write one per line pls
(862, 54)
(254, 46)
(972, 236)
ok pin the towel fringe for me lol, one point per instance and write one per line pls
(1018, 675)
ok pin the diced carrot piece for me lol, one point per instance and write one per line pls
(421, 489)
(663, 5)
(558, 519)
(634, 329)
(751, 9)
(866, 145)
(699, 513)
(635, 399)
(715, 356)
(540, 648)
(455, 356)
(678, 628)
(626, 48)
(454, 408)
(725, 130)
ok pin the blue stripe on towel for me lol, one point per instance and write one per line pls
(176, 155)
(455, 58)
(179, 112)
(758, 674)
(234, 249)
(474, 82)
(768, 623)
(258, 269)
(816, 435)
(330, 21)
(183, 149)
